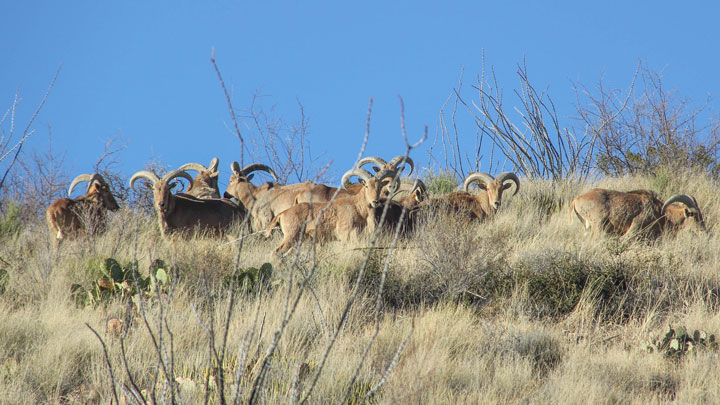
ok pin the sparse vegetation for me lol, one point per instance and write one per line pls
(523, 307)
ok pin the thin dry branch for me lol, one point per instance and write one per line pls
(27, 132)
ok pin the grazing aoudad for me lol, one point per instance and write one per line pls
(637, 212)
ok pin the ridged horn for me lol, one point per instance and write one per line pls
(252, 168)
(419, 185)
(362, 173)
(377, 161)
(85, 177)
(403, 160)
(214, 163)
(477, 177)
(200, 168)
(681, 198)
(194, 166)
(177, 173)
(502, 177)
(143, 174)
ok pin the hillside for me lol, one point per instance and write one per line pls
(524, 307)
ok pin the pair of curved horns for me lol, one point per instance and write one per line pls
(213, 167)
(365, 175)
(361, 173)
(394, 162)
(148, 175)
(486, 178)
(235, 167)
(90, 178)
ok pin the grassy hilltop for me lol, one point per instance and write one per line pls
(524, 307)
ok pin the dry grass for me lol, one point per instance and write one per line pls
(523, 308)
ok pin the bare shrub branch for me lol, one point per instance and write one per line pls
(538, 147)
(107, 361)
(658, 129)
(26, 133)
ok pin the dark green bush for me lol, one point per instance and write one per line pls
(678, 342)
(250, 280)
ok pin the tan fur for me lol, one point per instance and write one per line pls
(480, 207)
(205, 183)
(344, 219)
(265, 201)
(630, 213)
(66, 217)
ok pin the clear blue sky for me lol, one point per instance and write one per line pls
(142, 69)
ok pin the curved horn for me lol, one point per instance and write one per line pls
(214, 163)
(402, 160)
(143, 174)
(681, 198)
(200, 168)
(235, 169)
(79, 179)
(379, 162)
(255, 167)
(477, 177)
(362, 173)
(502, 177)
(420, 186)
(193, 166)
(177, 173)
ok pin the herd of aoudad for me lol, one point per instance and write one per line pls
(383, 196)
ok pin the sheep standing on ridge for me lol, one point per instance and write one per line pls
(184, 213)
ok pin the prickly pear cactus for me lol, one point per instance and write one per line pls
(677, 342)
(123, 282)
(251, 278)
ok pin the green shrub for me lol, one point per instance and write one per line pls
(10, 222)
(440, 183)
